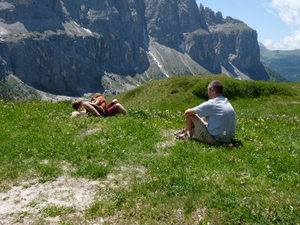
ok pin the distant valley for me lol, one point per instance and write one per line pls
(285, 63)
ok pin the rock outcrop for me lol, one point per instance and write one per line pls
(74, 47)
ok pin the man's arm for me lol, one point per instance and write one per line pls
(189, 112)
(91, 109)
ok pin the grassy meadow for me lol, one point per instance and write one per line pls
(154, 178)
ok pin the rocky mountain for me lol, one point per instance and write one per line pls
(286, 63)
(75, 47)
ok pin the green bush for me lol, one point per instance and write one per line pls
(234, 88)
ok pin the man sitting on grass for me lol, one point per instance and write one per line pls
(212, 122)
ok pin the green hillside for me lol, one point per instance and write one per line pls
(140, 173)
(285, 63)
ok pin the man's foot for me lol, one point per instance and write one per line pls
(183, 136)
(179, 132)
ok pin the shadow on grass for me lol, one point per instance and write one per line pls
(235, 143)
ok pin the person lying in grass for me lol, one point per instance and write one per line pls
(111, 109)
(97, 107)
(86, 108)
(212, 122)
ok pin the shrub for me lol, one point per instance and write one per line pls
(234, 88)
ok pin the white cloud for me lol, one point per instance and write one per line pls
(288, 43)
(293, 41)
(289, 12)
(269, 44)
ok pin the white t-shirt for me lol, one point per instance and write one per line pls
(220, 117)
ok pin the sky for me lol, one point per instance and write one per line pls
(277, 22)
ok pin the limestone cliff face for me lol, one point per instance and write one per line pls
(75, 47)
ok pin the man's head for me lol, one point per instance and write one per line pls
(95, 96)
(214, 89)
(77, 104)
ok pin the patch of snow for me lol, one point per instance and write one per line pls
(158, 63)
(155, 59)
(87, 30)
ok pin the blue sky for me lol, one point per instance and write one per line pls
(277, 22)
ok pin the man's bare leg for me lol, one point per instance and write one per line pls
(91, 109)
(121, 109)
(190, 124)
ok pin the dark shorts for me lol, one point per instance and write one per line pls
(111, 109)
(99, 109)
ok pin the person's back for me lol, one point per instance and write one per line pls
(99, 100)
(221, 121)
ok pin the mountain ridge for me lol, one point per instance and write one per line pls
(73, 48)
(284, 62)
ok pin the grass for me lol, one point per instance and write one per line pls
(152, 178)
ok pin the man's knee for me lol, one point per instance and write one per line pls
(193, 118)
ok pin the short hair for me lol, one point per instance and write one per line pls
(76, 103)
(217, 86)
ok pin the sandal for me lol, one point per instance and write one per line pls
(179, 132)
(183, 136)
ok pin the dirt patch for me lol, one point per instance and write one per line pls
(22, 203)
